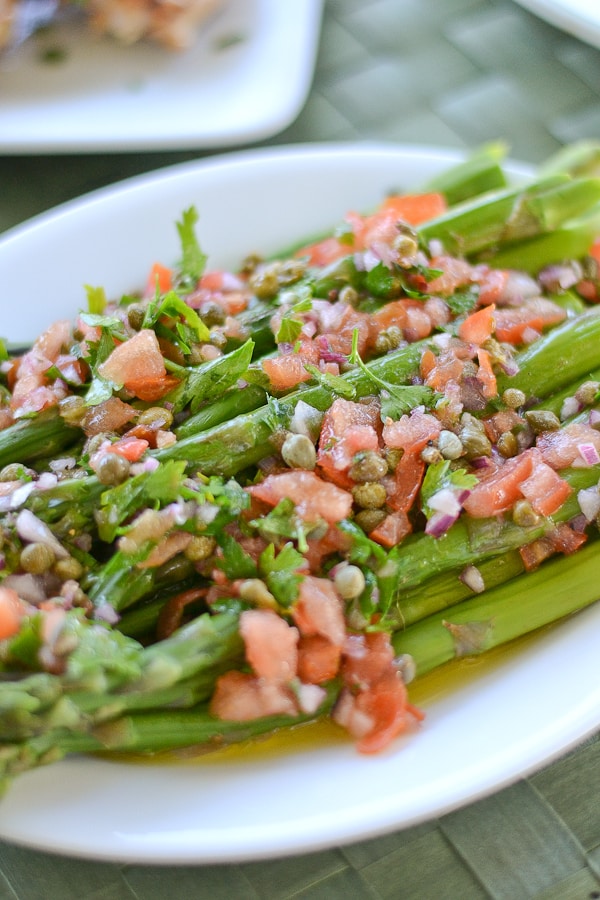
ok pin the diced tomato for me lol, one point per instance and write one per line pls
(151, 389)
(502, 421)
(478, 327)
(135, 361)
(455, 273)
(318, 659)
(314, 498)
(382, 225)
(242, 697)
(286, 370)
(319, 610)
(523, 323)
(392, 530)
(324, 252)
(560, 448)
(340, 339)
(408, 315)
(411, 432)
(271, 644)
(160, 278)
(492, 284)
(497, 492)
(545, 490)
(12, 611)
(167, 549)
(486, 375)
(386, 706)
(408, 477)
(348, 428)
(130, 448)
(110, 415)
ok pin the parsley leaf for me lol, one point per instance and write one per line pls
(396, 399)
(440, 476)
(334, 383)
(193, 260)
(280, 571)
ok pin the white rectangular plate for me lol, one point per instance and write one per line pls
(579, 17)
(245, 78)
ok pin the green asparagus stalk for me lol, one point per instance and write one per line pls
(511, 215)
(577, 159)
(480, 173)
(149, 733)
(559, 588)
(28, 440)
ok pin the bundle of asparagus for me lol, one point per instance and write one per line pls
(261, 508)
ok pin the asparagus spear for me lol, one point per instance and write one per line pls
(480, 173)
(557, 589)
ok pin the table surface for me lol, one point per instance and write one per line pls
(451, 73)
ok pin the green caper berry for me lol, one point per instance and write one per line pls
(449, 444)
(255, 591)
(135, 316)
(156, 415)
(587, 392)
(298, 452)
(72, 409)
(507, 445)
(265, 282)
(367, 466)
(201, 547)
(37, 558)
(68, 569)
(218, 339)
(475, 442)
(250, 263)
(370, 495)
(290, 271)
(14, 472)
(524, 514)
(349, 582)
(542, 420)
(513, 398)
(348, 295)
(431, 455)
(112, 469)
(95, 442)
(212, 314)
(392, 458)
(406, 245)
(390, 339)
(369, 519)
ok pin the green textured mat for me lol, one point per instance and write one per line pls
(449, 73)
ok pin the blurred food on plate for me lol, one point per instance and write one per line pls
(171, 23)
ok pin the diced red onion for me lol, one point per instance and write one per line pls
(387, 255)
(570, 407)
(310, 697)
(106, 613)
(306, 420)
(473, 579)
(30, 528)
(589, 502)
(481, 462)
(28, 587)
(588, 453)
(518, 287)
(594, 418)
(560, 277)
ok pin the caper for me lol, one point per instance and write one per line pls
(367, 466)
(218, 339)
(349, 582)
(449, 444)
(542, 420)
(370, 495)
(392, 458)
(212, 313)
(72, 409)
(136, 314)
(524, 514)
(348, 295)
(406, 245)
(37, 558)
(298, 452)
(431, 454)
(201, 547)
(390, 339)
(513, 398)
(507, 444)
(112, 468)
(255, 591)
(473, 437)
(290, 271)
(15, 471)
(369, 519)
(587, 392)
(68, 569)
(265, 282)
(157, 416)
